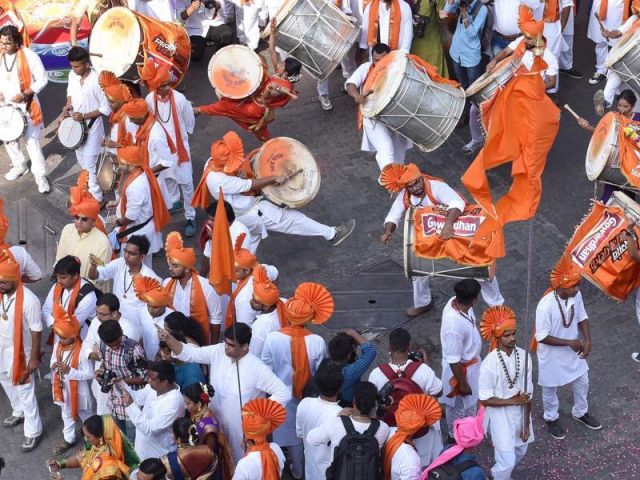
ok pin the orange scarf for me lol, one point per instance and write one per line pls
(58, 395)
(160, 213)
(282, 316)
(299, 358)
(117, 118)
(197, 304)
(201, 194)
(20, 374)
(71, 305)
(268, 459)
(390, 448)
(604, 5)
(453, 381)
(142, 137)
(406, 196)
(552, 11)
(183, 155)
(228, 321)
(24, 76)
(359, 119)
(394, 24)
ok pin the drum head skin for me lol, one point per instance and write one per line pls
(627, 42)
(115, 41)
(384, 80)
(486, 78)
(284, 156)
(12, 123)
(236, 71)
(70, 133)
(601, 146)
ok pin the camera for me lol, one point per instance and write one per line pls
(384, 395)
(416, 356)
(209, 4)
(420, 23)
(105, 382)
(138, 366)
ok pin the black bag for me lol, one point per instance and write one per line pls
(448, 471)
(357, 457)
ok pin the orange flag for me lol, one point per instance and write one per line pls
(222, 272)
(9, 15)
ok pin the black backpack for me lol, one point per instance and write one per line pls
(357, 457)
(448, 471)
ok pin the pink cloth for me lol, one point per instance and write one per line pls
(468, 433)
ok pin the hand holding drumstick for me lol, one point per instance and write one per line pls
(581, 121)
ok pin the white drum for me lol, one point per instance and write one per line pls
(624, 57)
(486, 85)
(13, 123)
(407, 101)
(236, 72)
(315, 32)
(72, 133)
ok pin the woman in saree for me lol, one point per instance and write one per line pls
(191, 461)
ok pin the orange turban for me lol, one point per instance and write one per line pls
(153, 75)
(227, 154)
(64, 325)
(151, 292)
(82, 202)
(131, 155)
(136, 108)
(175, 251)
(495, 321)
(243, 257)
(4, 224)
(264, 290)
(395, 177)
(260, 417)
(565, 274)
(9, 268)
(311, 302)
(113, 89)
(635, 6)
(528, 24)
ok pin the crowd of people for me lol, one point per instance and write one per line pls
(173, 379)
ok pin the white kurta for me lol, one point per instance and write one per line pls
(182, 299)
(233, 187)
(83, 374)
(528, 58)
(384, 19)
(558, 366)
(27, 265)
(85, 310)
(405, 464)
(10, 85)
(153, 416)
(256, 381)
(235, 230)
(150, 340)
(313, 412)
(250, 466)
(276, 353)
(504, 423)
(505, 18)
(264, 324)
(615, 13)
(443, 194)
(461, 343)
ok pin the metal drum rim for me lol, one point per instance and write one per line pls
(103, 19)
(611, 148)
(401, 58)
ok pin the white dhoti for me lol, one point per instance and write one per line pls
(507, 461)
(182, 179)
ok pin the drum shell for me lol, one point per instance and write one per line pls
(624, 58)
(317, 33)
(498, 78)
(17, 116)
(415, 266)
(108, 172)
(630, 208)
(81, 138)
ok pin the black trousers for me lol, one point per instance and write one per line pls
(220, 36)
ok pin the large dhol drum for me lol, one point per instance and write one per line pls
(236, 72)
(122, 41)
(286, 156)
(417, 266)
(71, 133)
(108, 172)
(486, 85)
(624, 57)
(602, 162)
(13, 123)
(315, 32)
(407, 101)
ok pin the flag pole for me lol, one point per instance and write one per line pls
(527, 315)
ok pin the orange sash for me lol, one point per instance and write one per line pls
(230, 306)
(268, 460)
(201, 194)
(71, 304)
(604, 5)
(552, 11)
(183, 155)
(390, 448)
(24, 76)
(142, 137)
(453, 381)
(299, 358)
(117, 118)
(395, 20)
(19, 374)
(58, 395)
(197, 304)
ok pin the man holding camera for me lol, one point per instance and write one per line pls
(205, 22)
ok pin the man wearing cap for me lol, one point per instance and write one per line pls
(503, 391)
(264, 460)
(20, 334)
(226, 170)
(190, 293)
(271, 315)
(29, 270)
(294, 354)
(71, 375)
(157, 305)
(416, 189)
(560, 321)
(175, 114)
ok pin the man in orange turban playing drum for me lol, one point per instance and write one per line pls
(560, 320)
(501, 389)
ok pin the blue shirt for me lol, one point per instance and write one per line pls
(188, 374)
(465, 46)
(355, 370)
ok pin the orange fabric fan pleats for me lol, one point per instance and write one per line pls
(394, 177)
(495, 321)
(150, 291)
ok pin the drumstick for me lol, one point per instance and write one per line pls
(568, 109)
(599, 21)
(96, 55)
(290, 176)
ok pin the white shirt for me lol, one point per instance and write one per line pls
(83, 374)
(87, 96)
(505, 19)
(615, 13)
(10, 84)
(405, 464)
(153, 416)
(28, 266)
(244, 312)
(504, 423)
(85, 310)
(31, 322)
(232, 187)
(443, 194)
(264, 324)
(313, 412)
(528, 58)
(256, 381)
(250, 466)
(150, 340)
(118, 271)
(559, 366)
(182, 299)
(157, 145)
(197, 25)
(92, 341)
(235, 229)
(384, 17)
(162, 10)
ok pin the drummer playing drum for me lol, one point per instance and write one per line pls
(22, 77)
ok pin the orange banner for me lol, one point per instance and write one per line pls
(428, 223)
(599, 247)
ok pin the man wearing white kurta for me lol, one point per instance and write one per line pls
(264, 324)
(29, 269)
(384, 26)
(247, 28)
(84, 310)
(461, 345)
(565, 60)
(390, 147)
(10, 91)
(227, 361)
(163, 10)
(87, 102)
(553, 31)
(250, 466)
(149, 321)
(181, 300)
(613, 18)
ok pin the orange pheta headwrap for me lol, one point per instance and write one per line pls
(260, 417)
(153, 75)
(227, 155)
(82, 203)
(394, 177)
(604, 6)
(66, 326)
(266, 292)
(4, 226)
(150, 291)
(495, 321)
(311, 303)
(395, 21)
(176, 251)
(136, 108)
(527, 22)
(114, 89)
(243, 258)
(415, 411)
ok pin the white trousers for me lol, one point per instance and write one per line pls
(89, 163)
(602, 49)
(389, 146)
(32, 145)
(101, 398)
(507, 461)
(458, 411)
(565, 61)
(550, 402)
(295, 454)
(173, 191)
(247, 24)
(24, 404)
(290, 220)
(490, 290)
(69, 423)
